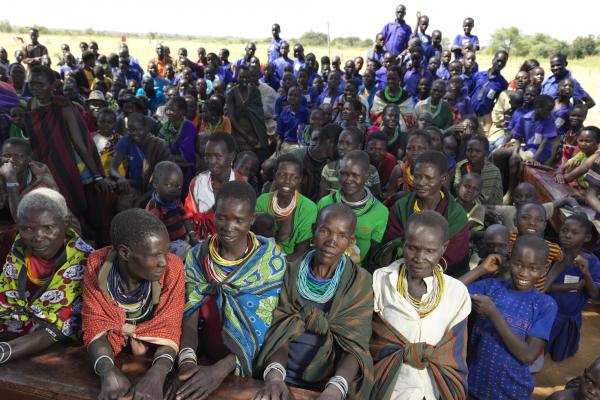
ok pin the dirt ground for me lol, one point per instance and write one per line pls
(554, 375)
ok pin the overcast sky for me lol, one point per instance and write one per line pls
(253, 19)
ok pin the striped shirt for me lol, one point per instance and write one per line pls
(555, 254)
(173, 218)
(491, 190)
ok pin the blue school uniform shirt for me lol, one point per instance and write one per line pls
(494, 373)
(531, 132)
(462, 39)
(273, 82)
(281, 104)
(573, 303)
(280, 65)
(311, 78)
(412, 78)
(324, 98)
(297, 66)
(273, 52)
(134, 155)
(443, 73)
(290, 122)
(376, 55)
(130, 75)
(516, 116)
(432, 51)
(396, 36)
(561, 116)
(381, 78)
(485, 90)
(237, 64)
(463, 105)
(550, 87)
(224, 73)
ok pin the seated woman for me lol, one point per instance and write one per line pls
(294, 214)
(319, 338)
(392, 94)
(371, 215)
(420, 314)
(19, 174)
(430, 173)
(233, 281)
(441, 111)
(41, 282)
(133, 297)
(219, 156)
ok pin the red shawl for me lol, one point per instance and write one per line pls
(101, 315)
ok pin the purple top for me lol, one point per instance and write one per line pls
(412, 78)
(532, 132)
(396, 36)
(485, 90)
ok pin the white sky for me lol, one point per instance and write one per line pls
(253, 19)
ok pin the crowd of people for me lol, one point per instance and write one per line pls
(361, 230)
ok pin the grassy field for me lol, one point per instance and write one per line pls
(586, 71)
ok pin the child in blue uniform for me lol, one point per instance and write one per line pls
(513, 323)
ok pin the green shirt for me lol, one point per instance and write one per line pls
(370, 225)
(330, 178)
(304, 216)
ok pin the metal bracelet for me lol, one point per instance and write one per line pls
(340, 383)
(275, 366)
(167, 356)
(98, 360)
(5, 357)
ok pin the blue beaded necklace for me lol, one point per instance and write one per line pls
(314, 289)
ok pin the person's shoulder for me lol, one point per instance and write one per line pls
(325, 201)
(545, 302)
(380, 273)
(381, 210)
(299, 153)
(307, 204)
(455, 288)
(174, 266)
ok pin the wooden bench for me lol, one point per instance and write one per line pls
(65, 373)
(548, 191)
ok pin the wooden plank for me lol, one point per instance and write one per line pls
(65, 373)
(548, 191)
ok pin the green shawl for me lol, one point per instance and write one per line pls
(346, 327)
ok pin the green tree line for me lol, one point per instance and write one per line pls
(542, 45)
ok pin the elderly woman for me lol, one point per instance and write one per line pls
(319, 338)
(420, 322)
(41, 282)
(133, 297)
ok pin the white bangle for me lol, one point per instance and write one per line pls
(187, 354)
(167, 356)
(5, 357)
(275, 366)
(339, 382)
(98, 360)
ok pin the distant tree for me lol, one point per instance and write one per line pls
(507, 39)
(583, 46)
(313, 38)
(5, 26)
(543, 45)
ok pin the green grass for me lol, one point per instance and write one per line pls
(585, 70)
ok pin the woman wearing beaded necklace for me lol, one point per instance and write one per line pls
(294, 214)
(233, 282)
(392, 94)
(133, 298)
(430, 172)
(436, 105)
(420, 322)
(371, 215)
(321, 328)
